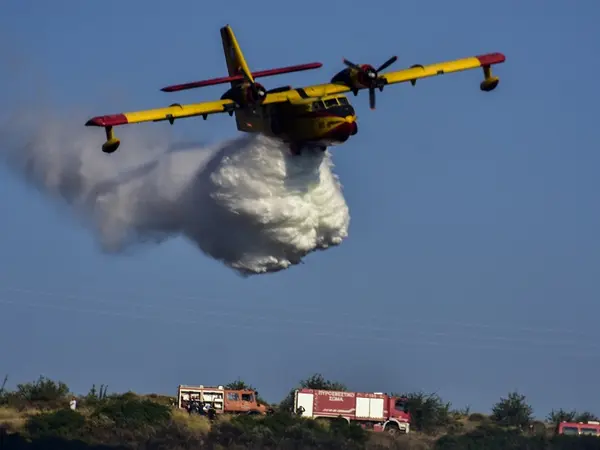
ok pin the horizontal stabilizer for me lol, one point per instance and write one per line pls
(258, 74)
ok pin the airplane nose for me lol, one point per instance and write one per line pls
(352, 125)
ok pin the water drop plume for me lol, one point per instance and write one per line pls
(245, 202)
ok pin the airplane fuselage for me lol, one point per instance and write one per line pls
(319, 122)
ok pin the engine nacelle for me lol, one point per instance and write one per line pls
(246, 94)
(354, 78)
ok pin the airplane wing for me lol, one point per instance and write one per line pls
(414, 73)
(175, 111)
(417, 71)
(170, 113)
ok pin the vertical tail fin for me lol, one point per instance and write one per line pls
(236, 63)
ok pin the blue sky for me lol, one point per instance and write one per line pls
(472, 267)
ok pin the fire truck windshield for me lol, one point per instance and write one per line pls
(401, 405)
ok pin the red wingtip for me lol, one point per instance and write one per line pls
(107, 121)
(491, 58)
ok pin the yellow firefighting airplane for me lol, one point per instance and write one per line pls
(310, 116)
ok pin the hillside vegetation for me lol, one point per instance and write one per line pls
(37, 415)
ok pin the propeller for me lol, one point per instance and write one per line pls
(369, 76)
(259, 93)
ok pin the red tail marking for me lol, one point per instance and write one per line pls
(259, 74)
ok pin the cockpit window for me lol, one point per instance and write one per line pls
(331, 102)
(343, 100)
(318, 105)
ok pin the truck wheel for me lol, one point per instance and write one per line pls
(392, 429)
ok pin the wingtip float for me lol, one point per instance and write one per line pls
(486, 61)
(311, 116)
(108, 122)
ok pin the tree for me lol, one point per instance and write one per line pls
(316, 381)
(428, 412)
(512, 411)
(240, 385)
(3, 396)
(556, 417)
(93, 396)
(561, 415)
(586, 416)
(43, 393)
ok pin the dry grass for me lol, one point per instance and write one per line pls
(194, 423)
(12, 419)
(470, 425)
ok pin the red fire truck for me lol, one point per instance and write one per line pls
(373, 410)
(579, 428)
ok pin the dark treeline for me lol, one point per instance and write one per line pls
(41, 418)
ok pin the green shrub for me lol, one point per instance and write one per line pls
(62, 423)
(43, 393)
(128, 411)
(285, 430)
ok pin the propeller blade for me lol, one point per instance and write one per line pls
(253, 86)
(372, 98)
(248, 78)
(351, 64)
(388, 63)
